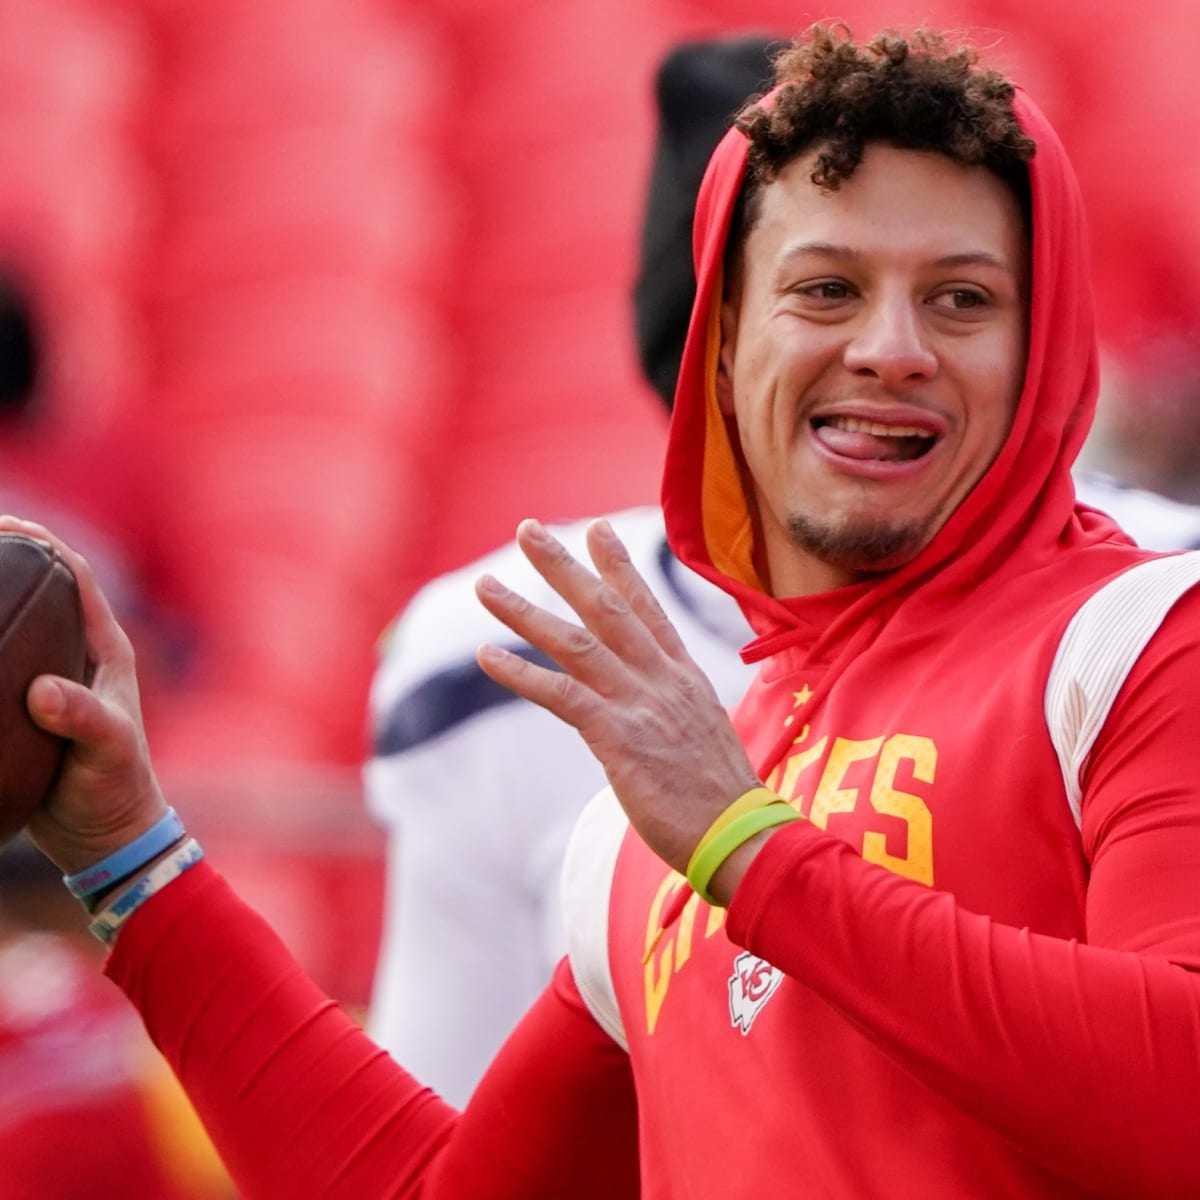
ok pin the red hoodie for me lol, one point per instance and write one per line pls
(962, 975)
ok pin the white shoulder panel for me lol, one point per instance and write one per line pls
(587, 877)
(1099, 649)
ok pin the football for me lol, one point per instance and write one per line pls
(41, 633)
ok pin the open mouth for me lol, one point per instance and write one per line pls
(855, 437)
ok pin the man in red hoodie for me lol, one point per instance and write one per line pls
(920, 920)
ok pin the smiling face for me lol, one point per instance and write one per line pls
(874, 344)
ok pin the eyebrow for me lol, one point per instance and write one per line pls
(975, 258)
(971, 258)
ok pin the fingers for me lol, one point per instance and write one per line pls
(559, 693)
(578, 651)
(101, 735)
(65, 708)
(626, 634)
(106, 793)
(602, 608)
(616, 568)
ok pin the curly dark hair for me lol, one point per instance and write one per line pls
(917, 93)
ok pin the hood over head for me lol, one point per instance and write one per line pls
(1025, 498)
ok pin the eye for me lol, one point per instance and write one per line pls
(825, 291)
(961, 299)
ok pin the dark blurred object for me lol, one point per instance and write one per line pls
(698, 90)
(19, 363)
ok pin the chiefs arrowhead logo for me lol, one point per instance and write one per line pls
(751, 985)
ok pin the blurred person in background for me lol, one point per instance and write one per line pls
(1142, 463)
(74, 1061)
(478, 790)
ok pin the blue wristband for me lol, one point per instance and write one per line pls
(120, 864)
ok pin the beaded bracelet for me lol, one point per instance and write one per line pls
(751, 813)
(128, 860)
(112, 916)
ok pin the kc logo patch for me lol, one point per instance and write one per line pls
(751, 985)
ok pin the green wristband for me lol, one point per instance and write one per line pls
(710, 854)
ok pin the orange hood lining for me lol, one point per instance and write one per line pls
(727, 523)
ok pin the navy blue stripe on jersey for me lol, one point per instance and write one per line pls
(455, 694)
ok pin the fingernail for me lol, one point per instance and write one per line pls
(534, 530)
(491, 585)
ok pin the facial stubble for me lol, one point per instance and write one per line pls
(869, 547)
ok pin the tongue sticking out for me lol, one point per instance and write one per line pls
(898, 446)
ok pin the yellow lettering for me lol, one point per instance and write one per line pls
(798, 763)
(830, 797)
(917, 862)
(658, 963)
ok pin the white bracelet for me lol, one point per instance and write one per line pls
(113, 915)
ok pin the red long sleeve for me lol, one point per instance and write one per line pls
(1084, 1056)
(301, 1103)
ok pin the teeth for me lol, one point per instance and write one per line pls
(858, 425)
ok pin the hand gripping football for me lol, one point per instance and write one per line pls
(41, 633)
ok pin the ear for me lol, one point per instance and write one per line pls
(724, 380)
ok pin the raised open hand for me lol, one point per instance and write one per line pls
(628, 686)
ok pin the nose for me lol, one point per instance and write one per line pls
(890, 343)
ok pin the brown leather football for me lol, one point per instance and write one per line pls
(41, 633)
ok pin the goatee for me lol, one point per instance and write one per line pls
(868, 547)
